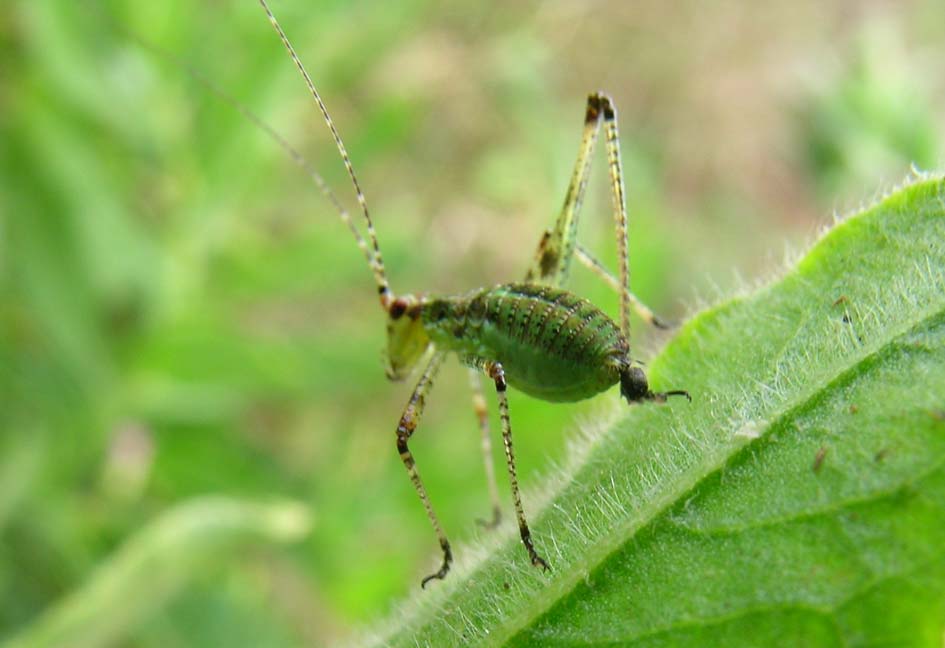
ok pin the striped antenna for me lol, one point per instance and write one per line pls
(258, 122)
(374, 255)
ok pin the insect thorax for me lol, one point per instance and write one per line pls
(552, 344)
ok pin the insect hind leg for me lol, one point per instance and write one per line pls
(556, 247)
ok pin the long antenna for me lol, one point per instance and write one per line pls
(258, 122)
(375, 260)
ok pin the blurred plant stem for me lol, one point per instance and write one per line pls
(156, 563)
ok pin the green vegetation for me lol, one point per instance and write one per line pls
(155, 565)
(182, 317)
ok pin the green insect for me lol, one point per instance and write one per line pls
(533, 335)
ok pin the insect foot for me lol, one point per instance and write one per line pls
(444, 569)
(538, 561)
(494, 522)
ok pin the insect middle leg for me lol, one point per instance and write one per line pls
(405, 429)
(495, 371)
(482, 416)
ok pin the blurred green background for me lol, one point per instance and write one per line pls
(182, 314)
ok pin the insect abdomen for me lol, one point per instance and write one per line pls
(552, 344)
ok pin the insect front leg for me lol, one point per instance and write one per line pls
(405, 429)
(482, 416)
(495, 371)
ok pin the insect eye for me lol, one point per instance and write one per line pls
(397, 309)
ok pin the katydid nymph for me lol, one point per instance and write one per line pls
(533, 335)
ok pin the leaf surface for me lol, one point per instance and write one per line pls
(800, 498)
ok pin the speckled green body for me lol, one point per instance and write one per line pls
(552, 344)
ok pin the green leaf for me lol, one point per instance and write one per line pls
(798, 500)
(157, 563)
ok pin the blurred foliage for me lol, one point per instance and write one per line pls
(181, 314)
(876, 114)
(155, 564)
